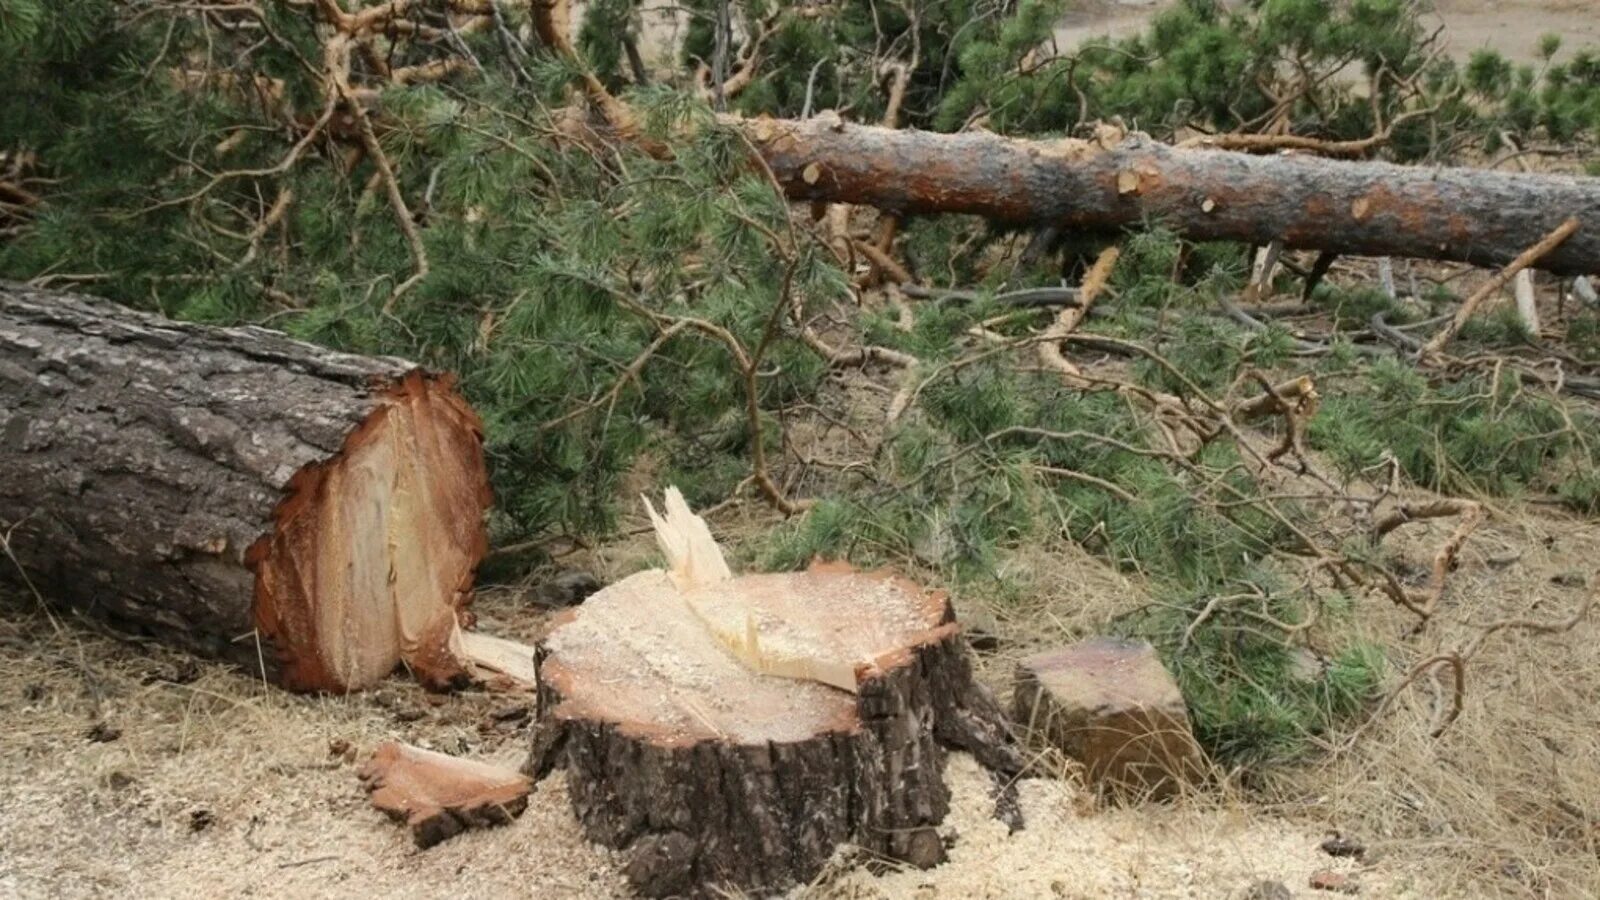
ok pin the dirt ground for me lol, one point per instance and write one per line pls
(131, 771)
(201, 780)
(1511, 26)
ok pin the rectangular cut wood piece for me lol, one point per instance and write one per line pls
(439, 796)
(1112, 706)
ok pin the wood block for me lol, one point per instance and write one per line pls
(1112, 706)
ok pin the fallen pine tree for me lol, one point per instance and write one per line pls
(1307, 202)
(1296, 198)
(239, 494)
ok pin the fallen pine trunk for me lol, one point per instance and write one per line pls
(237, 493)
(1360, 208)
(729, 733)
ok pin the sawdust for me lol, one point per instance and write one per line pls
(1503, 805)
(1071, 850)
(636, 653)
(221, 787)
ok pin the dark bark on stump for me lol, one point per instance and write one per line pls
(189, 483)
(1359, 208)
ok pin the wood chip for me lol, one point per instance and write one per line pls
(439, 796)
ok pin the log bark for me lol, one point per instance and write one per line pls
(239, 494)
(710, 776)
(1357, 208)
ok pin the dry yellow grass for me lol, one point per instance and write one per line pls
(1507, 801)
(219, 786)
(1503, 805)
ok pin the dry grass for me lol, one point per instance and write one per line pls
(1505, 802)
(220, 785)
(1503, 805)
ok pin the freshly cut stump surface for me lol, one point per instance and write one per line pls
(711, 775)
(237, 493)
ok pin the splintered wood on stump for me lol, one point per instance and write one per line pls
(237, 493)
(710, 775)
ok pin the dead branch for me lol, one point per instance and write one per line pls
(1470, 513)
(1435, 345)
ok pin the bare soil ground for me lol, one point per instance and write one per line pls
(1512, 27)
(132, 771)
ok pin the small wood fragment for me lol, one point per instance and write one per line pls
(1266, 265)
(1111, 705)
(1585, 291)
(439, 796)
(1527, 305)
(498, 659)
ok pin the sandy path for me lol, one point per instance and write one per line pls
(1511, 26)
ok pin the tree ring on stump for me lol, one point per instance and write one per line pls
(711, 776)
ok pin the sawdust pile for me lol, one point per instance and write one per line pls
(212, 784)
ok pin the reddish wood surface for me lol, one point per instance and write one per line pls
(313, 515)
(438, 796)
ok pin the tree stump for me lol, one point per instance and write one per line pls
(237, 493)
(711, 775)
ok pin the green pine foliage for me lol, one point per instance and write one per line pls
(1472, 436)
(530, 245)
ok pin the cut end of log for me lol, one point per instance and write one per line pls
(438, 796)
(372, 552)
